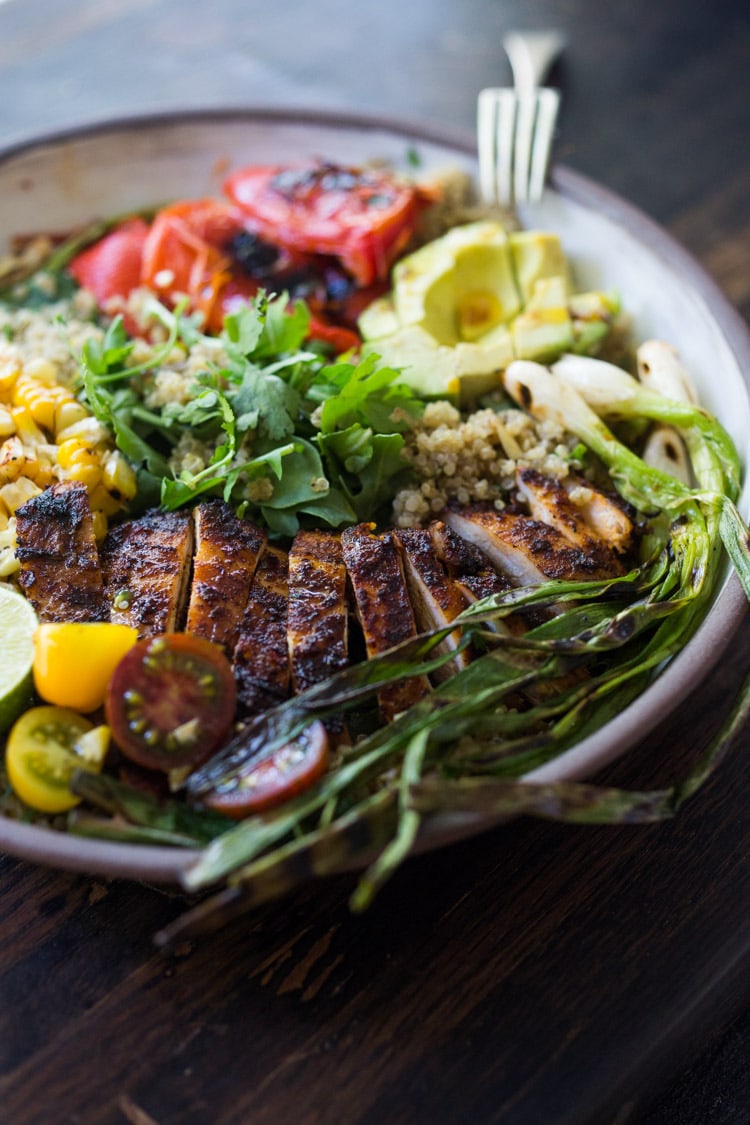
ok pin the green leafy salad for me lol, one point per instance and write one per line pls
(328, 434)
(484, 406)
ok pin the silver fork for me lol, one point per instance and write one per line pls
(515, 128)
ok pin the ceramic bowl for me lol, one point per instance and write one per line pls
(58, 182)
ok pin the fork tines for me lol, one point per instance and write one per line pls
(515, 135)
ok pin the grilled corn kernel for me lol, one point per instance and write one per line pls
(86, 431)
(85, 473)
(42, 370)
(102, 498)
(100, 523)
(68, 412)
(7, 425)
(75, 452)
(26, 427)
(41, 406)
(10, 369)
(119, 477)
(40, 470)
(18, 492)
(9, 564)
(12, 459)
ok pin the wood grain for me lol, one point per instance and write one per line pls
(539, 973)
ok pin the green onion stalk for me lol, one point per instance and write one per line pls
(520, 702)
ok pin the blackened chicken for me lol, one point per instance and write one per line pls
(60, 571)
(146, 569)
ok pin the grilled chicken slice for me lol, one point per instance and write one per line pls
(382, 606)
(261, 655)
(435, 598)
(227, 550)
(146, 569)
(472, 573)
(470, 569)
(317, 628)
(601, 514)
(60, 571)
(528, 551)
(550, 503)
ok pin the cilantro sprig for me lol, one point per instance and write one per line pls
(324, 437)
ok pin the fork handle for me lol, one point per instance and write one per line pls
(531, 54)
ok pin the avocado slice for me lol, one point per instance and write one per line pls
(537, 254)
(460, 286)
(438, 370)
(378, 319)
(462, 307)
(544, 329)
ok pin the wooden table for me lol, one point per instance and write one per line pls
(540, 974)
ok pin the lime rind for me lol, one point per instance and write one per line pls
(18, 622)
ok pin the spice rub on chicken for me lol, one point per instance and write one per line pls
(550, 503)
(261, 654)
(317, 626)
(282, 617)
(382, 606)
(531, 551)
(146, 569)
(59, 562)
(227, 550)
(436, 599)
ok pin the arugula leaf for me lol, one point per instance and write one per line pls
(368, 394)
(108, 356)
(284, 329)
(327, 436)
(371, 467)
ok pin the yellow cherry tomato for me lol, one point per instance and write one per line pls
(45, 746)
(74, 661)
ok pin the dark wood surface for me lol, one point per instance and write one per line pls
(538, 974)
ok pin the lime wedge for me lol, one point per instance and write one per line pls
(17, 624)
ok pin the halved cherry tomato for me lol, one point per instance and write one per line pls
(45, 747)
(362, 217)
(111, 267)
(171, 701)
(290, 770)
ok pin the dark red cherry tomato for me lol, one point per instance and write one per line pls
(362, 217)
(111, 267)
(171, 701)
(290, 770)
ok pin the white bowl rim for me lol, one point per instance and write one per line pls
(165, 865)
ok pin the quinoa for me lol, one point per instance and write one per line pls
(474, 458)
(56, 332)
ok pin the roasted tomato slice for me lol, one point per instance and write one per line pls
(171, 701)
(338, 338)
(362, 217)
(290, 770)
(111, 267)
(185, 253)
(230, 298)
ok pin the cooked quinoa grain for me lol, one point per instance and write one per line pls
(55, 332)
(474, 459)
